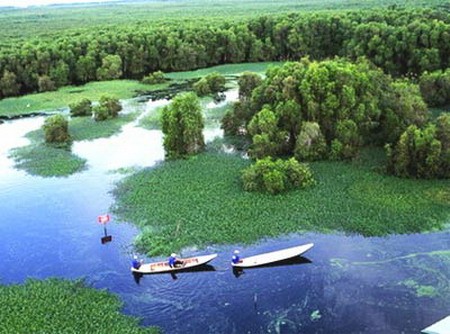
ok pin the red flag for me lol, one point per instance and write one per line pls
(103, 219)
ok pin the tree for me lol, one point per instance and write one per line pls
(435, 88)
(107, 108)
(81, 108)
(56, 129)
(111, 68)
(45, 84)
(8, 84)
(247, 82)
(182, 126)
(267, 138)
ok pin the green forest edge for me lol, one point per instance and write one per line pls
(49, 159)
(62, 306)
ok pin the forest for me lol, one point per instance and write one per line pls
(403, 42)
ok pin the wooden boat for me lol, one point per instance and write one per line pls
(266, 258)
(163, 266)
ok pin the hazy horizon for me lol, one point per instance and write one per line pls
(27, 3)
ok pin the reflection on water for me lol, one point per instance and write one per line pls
(348, 284)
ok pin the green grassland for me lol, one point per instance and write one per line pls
(120, 89)
(200, 201)
(51, 20)
(60, 306)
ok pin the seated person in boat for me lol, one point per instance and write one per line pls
(135, 263)
(174, 262)
(235, 258)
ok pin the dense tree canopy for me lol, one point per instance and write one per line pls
(182, 125)
(422, 153)
(401, 41)
(318, 109)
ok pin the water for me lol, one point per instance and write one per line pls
(345, 284)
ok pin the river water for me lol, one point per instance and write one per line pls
(345, 284)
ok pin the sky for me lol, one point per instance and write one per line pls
(26, 3)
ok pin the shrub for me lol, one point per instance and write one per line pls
(56, 129)
(276, 176)
(154, 78)
(212, 83)
(108, 107)
(81, 108)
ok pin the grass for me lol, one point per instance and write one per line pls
(229, 69)
(200, 201)
(120, 89)
(62, 306)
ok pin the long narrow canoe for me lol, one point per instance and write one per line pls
(163, 266)
(266, 258)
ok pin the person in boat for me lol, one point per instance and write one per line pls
(136, 263)
(174, 262)
(236, 258)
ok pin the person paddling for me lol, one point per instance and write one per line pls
(236, 258)
(135, 263)
(174, 262)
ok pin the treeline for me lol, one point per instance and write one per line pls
(401, 41)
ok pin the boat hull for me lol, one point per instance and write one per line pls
(163, 266)
(271, 257)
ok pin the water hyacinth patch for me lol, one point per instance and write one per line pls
(62, 306)
(201, 201)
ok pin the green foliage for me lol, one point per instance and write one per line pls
(347, 142)
(81, 108)
(45, 84)
(403, 106)
(212, 83)
(247, 82)
(435, 88)
(61, 306)
(401, 41)
(8, 84)
(154, 78)
(56, 129)
(107, 108)
(182, 125)
(274, 177)
(422, 153)
(267, 139)
(349, 197)
(111, 68)
(311, 143)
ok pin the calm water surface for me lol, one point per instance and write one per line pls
(345, 284)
